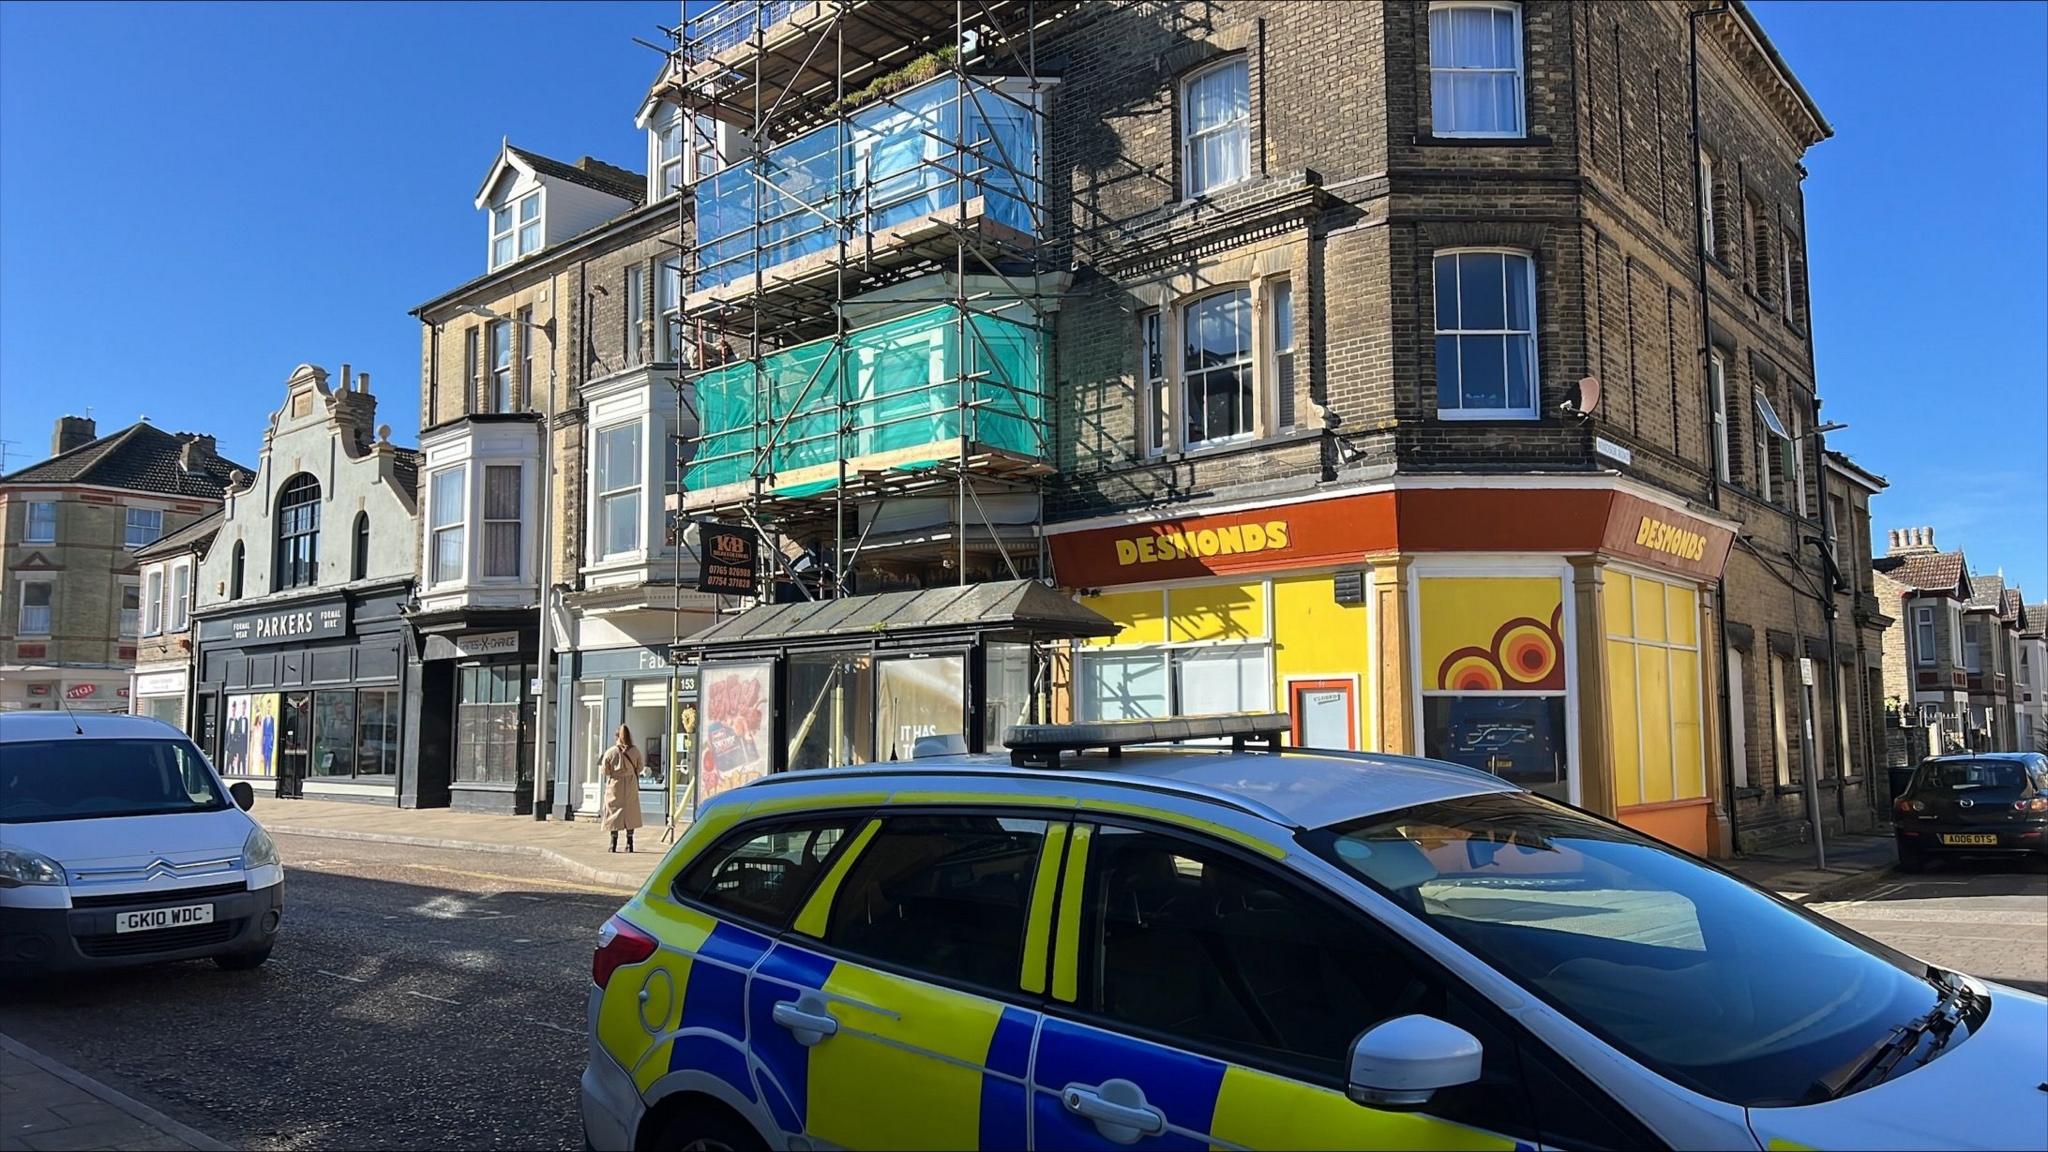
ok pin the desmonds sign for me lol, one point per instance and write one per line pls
(291, 624)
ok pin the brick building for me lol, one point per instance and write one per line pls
(564, 350)
(161, 685)
(2033, 690)
(71, 601)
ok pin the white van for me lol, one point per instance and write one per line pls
(120, 845)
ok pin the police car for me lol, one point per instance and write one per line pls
(1093, 944)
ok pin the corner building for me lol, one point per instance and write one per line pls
(1423, 375)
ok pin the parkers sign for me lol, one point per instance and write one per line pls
(309, 623)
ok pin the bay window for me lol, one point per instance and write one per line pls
(1475, 69)
(153, 605)
(619, 489)
(143, 527)
(668, 296)
(499, 399)
(1486, 335)
(35, 608)
(1973, 646)
(181, 598)
(1216, 126)
(445, 528)
(131, 609)
(1216, 368)
(668, 152)
(501, 520)
(636, 314)
(1923, 635)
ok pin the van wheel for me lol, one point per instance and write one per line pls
(708, 1128)
(243, 961)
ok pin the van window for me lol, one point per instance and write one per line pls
(45, 780)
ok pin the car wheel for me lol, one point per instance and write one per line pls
(243, 961)
(708, 1129)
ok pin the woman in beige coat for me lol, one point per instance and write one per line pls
(621, 767)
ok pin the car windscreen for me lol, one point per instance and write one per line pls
(1972, 777)
(1693, 973)
(85, 779)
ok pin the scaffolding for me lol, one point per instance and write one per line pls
(864, 300)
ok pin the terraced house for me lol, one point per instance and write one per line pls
(73, 598)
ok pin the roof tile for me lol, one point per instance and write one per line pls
(139, 458)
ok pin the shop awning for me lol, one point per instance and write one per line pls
(1025, 607)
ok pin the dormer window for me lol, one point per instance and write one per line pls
(667, 135)
(515, 229)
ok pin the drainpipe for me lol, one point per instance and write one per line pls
(1699, 259)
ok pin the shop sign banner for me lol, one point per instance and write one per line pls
(159, 683)
(487, 644)
(291, 624)
(81, 691)
(734, 711)
(729, 561)
(1267, 539)
(1665, 537)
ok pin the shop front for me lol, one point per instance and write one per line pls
(874, 679)
(475, 682)
(306, 697)
(638, 688)
(162, 693)
(1553, 636)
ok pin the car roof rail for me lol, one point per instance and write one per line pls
(1040, 745)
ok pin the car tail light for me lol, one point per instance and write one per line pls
(2037, 804)
(618, 944)
(1902, 807)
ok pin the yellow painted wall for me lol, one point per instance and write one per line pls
(1316, 637)
(1140, 616)
(1655, 704)
(1216, 612)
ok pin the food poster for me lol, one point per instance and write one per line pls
(734, 703)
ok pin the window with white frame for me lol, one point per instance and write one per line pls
(669, 151)
(1216, 126)
(1486, 334)
(181, 598)
(499, 398)
(1196, 680)
(668, 297)
(1152, 385)
(1923, 635)
(501, 520)
(515, 229)
(1717, 381)
(1781, 720)
(35, 608)
(636, 313)
(145, 525)
(1955, 635)
(153, 605)
(527, 331)
(1973, 645)
(1710, 240)
(1738, 720)
(1475, 69)
(42, 523)
(619, 489)
(131, 609)
(1773, 448)
(1280, 312)
(1217, 387)
(447, 539)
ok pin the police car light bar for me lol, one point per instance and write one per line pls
(1040, 745)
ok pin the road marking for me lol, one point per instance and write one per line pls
(339, 976)
(522, 940)
(1897, 912)
(437, 999)
(555, 1027)
(519, 880)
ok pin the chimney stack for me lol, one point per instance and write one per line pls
(1911, 541)
(195, 452)
(72, 432)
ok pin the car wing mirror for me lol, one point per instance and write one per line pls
(245, 796)
(1401, 1063)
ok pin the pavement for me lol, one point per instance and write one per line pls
(47, 1105)
(578, 847)
(1853, 860)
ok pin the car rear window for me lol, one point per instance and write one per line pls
(1966, 776)
(47, 780)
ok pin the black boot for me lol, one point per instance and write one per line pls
(615, 843)
(629, 839)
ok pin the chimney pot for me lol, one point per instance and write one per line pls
(363, 383)
(344, 376)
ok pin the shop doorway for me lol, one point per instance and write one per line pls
(1325, 713)
(294, 743)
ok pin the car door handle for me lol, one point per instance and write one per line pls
(1118, 1108)
(806, 1019)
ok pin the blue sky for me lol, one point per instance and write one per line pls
(197, 198)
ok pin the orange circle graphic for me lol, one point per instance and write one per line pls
(1526, 651)
(1469, 670)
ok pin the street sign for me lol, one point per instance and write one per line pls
(1806, 671)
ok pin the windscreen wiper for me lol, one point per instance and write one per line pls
(1880, 1060)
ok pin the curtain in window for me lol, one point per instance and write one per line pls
(1218, 122)
(501, 520)
(1475, 62)
(1217, 367)
(1485, 333)
(447, 523)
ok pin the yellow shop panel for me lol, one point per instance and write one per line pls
(1140, 617)
(1689, 772)
(1313, 635)
(1624, 738)
(1216, 612)
(1619, 594)
(1653, 690)
(1682, 606)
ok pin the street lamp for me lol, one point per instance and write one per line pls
(545, 580)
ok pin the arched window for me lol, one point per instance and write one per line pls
(359, 553)
(237, 560)
(298, 533)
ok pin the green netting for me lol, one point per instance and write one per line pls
(902, 383)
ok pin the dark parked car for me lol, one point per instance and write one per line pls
(1983, 802)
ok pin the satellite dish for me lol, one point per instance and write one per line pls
(1585, 398)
